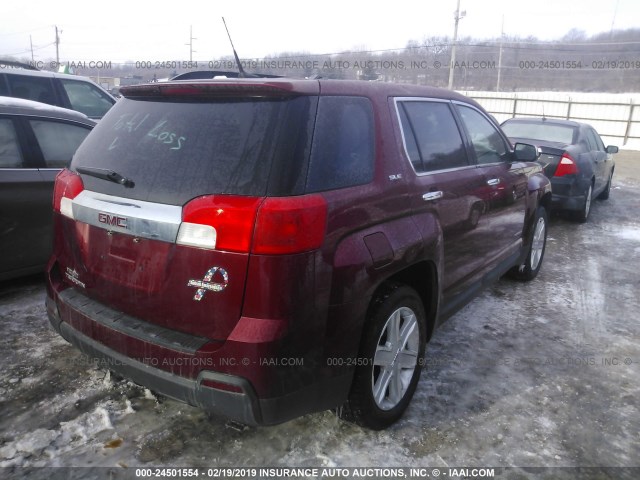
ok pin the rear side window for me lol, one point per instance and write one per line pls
(177, 150)
(599, 141)
(39, 89)
(10, 155)
(4, 91)
(58, 141)
(431, 136)
(342, 153)
(87, 98)
(594, 140)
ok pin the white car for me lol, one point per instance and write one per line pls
(59, 89)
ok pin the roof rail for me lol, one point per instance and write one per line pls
(13, 63)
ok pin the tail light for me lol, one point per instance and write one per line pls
(271, 226)
(67, 187)
(567, 166)
(290, 225)
(221, 222)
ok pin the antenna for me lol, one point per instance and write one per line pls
(242, 73)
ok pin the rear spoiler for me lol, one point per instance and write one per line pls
(210, 74)
(222, 88)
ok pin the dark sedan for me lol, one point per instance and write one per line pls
(36, 142)
(574, 158)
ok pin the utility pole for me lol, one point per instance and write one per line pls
(500, 56)
(31, 43)
(57, 48)
(458, 15)
(191, 39)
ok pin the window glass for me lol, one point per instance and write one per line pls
(10, 156)
(548, 132)
(4, 91)
(590, 141)
(599, 141)
(487, 141)
(177, 150)
(87, 98)
(58, 141)
(342, 152)
(594, 140)
(431, 128)
(410, 140)
(39, 89)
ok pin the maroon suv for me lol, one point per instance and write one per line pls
(264, 249)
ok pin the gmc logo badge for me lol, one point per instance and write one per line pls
(112, 220)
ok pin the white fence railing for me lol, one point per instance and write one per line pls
(616, 117)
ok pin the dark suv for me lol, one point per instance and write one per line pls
(269, 248)
(36, 142)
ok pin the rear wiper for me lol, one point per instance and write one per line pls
(105, 174)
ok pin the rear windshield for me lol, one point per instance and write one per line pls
(540, 131)
(175, 150)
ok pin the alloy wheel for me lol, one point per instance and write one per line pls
(537, 246)
(396, 358)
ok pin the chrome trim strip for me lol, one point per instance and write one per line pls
(154, 221)
(422, 99)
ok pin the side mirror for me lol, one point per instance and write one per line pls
(525, 152)
(612, 149)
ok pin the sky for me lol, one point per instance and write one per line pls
(120, 31)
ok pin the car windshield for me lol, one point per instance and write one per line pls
(547, 132)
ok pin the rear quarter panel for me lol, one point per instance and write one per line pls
(370, 237)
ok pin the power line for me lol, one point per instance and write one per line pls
(31, 30)
(509, 45)
(532, 46)
(28, 51)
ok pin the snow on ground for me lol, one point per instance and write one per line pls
(527, 375)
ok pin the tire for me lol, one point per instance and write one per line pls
(604, 195)
(474, 217)
(536, 248)
(391, 355)
(583, 214)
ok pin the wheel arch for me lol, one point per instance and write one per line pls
(545, 201)
(423, 278)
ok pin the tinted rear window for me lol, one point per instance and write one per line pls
(174, 151)
(58, 140)
(35, 88)
(540, 131)
(10, 156)
(343, 144)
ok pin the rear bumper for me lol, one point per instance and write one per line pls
(568, 193)
(560, 202)
(241, 404)
(243, 407)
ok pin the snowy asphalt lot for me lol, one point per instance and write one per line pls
(545, 374)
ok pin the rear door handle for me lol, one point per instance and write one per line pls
(493, 182)
(428, 197)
